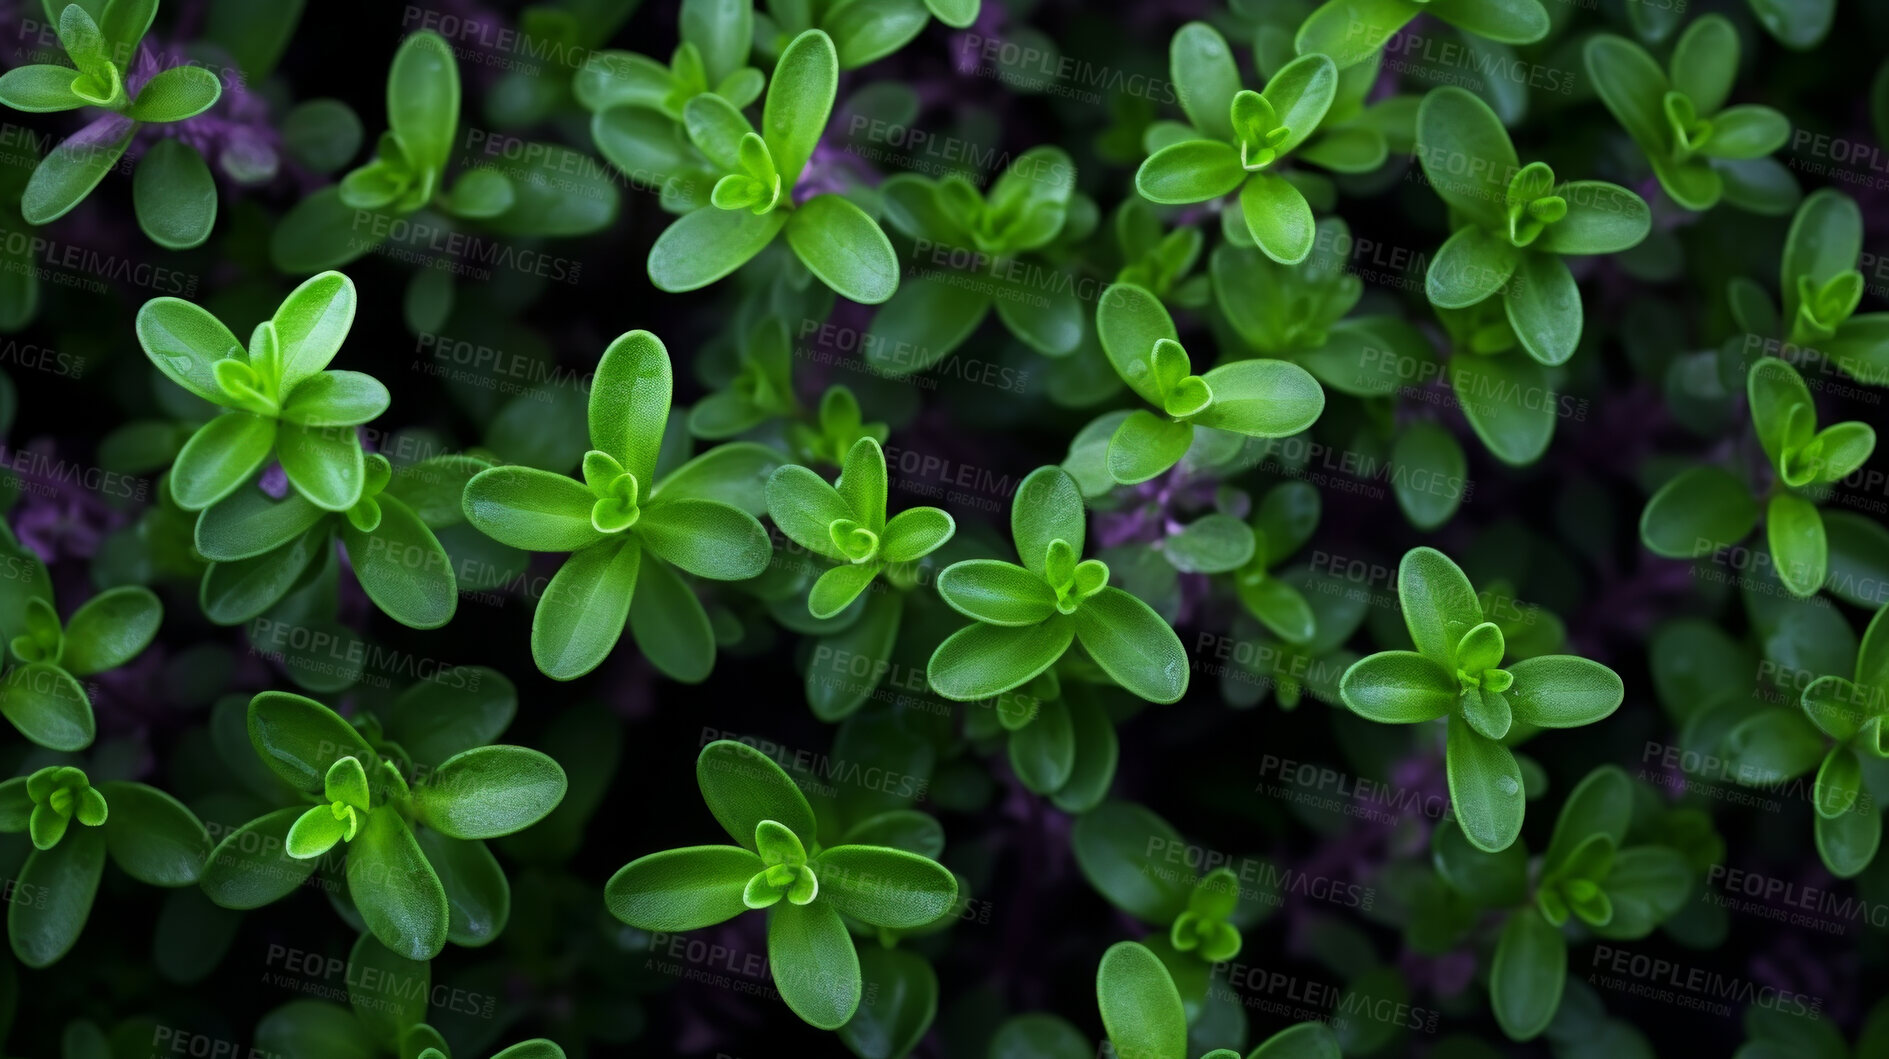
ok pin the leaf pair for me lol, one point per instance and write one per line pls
(1240, 136)
(551, 192)
(865, 31)
(260, 549)
(280, 400)
(1457, 672)
(1027, 616)
(1678, 116)
(975, 253)
(1619, 892)
(73, 825)
(1256, 398)
(712, 57)
(1514, 224)
(780, 866)
(624, 528)
(1705, 509)
(1282, 522)
(848, 525)
(1854, 712)
(41, 696)
(1059, 738)
(753, 200)
(173, 191)
(416, 866)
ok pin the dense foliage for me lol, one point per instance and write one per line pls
(1359, 521)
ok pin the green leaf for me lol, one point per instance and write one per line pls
(1490, 880)
(1307, 1040)
(396, 890)
(1529, 973)
(1215, 543)
(701, 247)
(44, 931)
(402, 567)
(1799, 552)
(1544, 308)
(423, 100)
(47, 706)
(998, 593)
(40, 89)
(1510, 402)
(1278, 217)
(1705, 62)
(1205, 77)
(980, 661)
(706, 538)
(1038, 1036)
(176, 94)
(798, 101)
(1300, 95)
(1439, 603)
(716, 128)
(1746, 132)
(310, 325)
(1429, 474)
(1351, 31)
(251, 867)
(1146, 445)
(300, 739)
(460, 708)
(1485, 788)
(478, 898)
(814, 963)
(324, 464)
(915, 533)
(67, 175)
(682, 889)
(336, 399)
(1043, 751)
(722, 30)
(1698, 512)
(1646, 886)
(1601, 804)
(1848, 843)
(862, 483)
(388, 992)
(1504, 21)
(235, 592)
(1190, 171)
(1122, 848)
(174, 195)
(1047, 507)
(1602, 218)
(1470, 266)
(1141, 1008)
(1825, 239)
(866, 31)
(1398, 687)
(1800, 24)
(1129, 321)
(845, 248)
(1132, 644)
(185, 341)
(220, 457)
(489, 791)
(583, 609)
(743, 787)
(531, 509)
(885, 887)
(904, 989)
(1466, 154)
(1563, 691)
(110, 630)
(921, 324)
(248, 523)
(670, 626)
(1775, 391)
